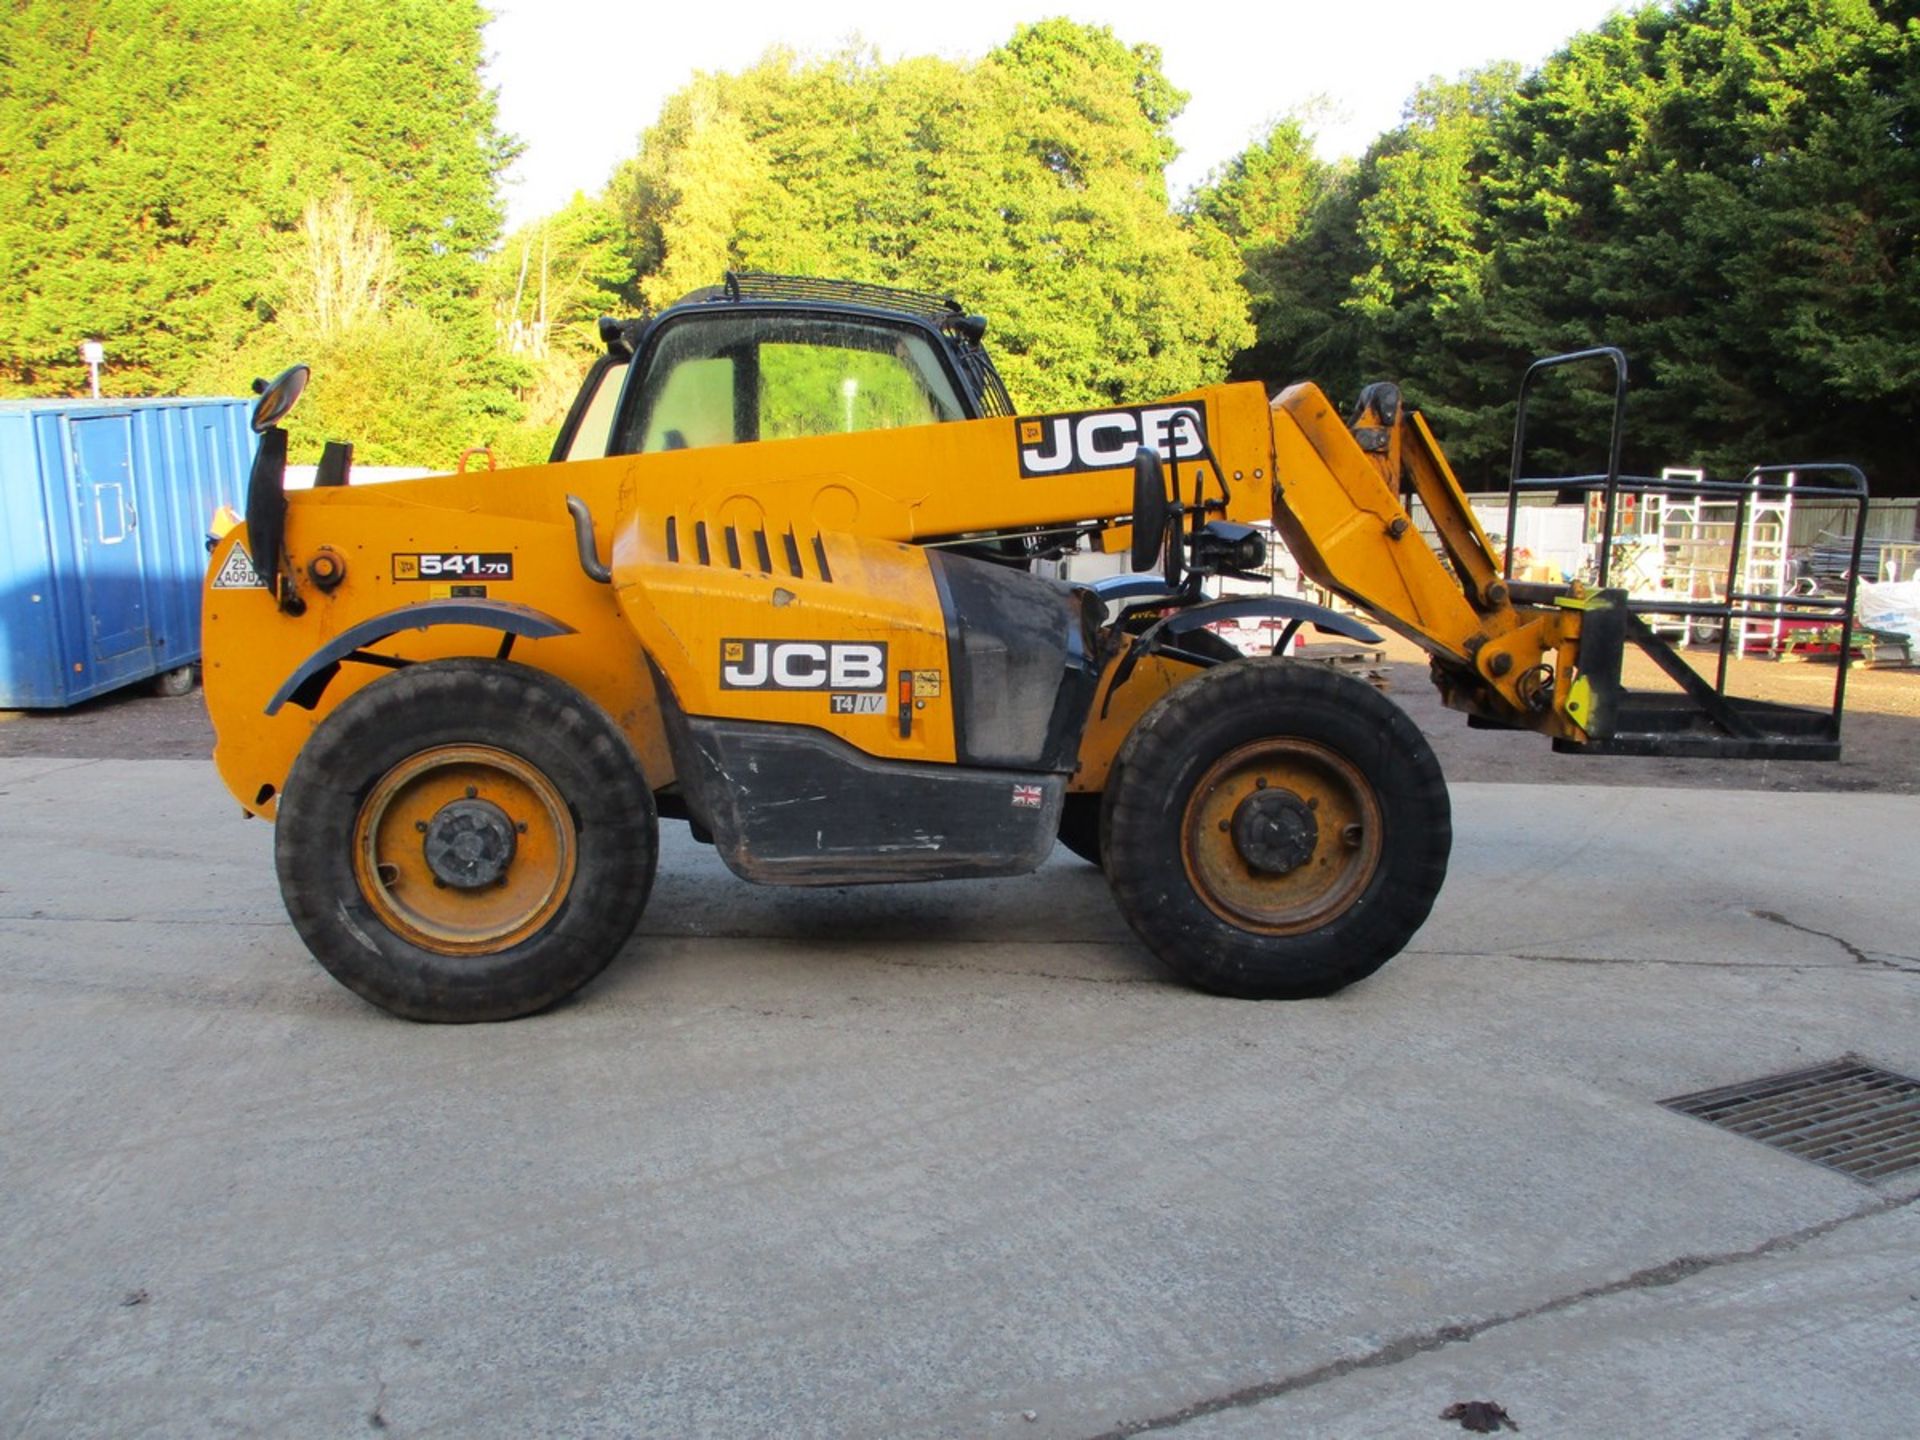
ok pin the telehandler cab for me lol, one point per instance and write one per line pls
(774, 583)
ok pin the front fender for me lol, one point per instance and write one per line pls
(1143, 672)
(310, 679)
(1269, 607)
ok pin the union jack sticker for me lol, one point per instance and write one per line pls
(1028, 797)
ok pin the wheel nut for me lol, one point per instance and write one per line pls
(471, 792)
(421, 826)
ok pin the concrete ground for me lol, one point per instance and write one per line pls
(954, 1161)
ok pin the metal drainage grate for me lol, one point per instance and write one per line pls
(1846, 1115)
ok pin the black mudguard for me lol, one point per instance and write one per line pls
(309, 682)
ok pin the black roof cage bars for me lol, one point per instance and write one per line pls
(756, 285)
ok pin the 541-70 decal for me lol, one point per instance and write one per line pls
(454, 565)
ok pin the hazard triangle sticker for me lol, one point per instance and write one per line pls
(238, 572)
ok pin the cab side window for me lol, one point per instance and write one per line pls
(590, 440)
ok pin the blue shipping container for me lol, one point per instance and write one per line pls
(104, 506)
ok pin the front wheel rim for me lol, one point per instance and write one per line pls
(1281, 836)
(430, 801)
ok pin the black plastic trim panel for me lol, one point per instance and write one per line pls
(790, 805)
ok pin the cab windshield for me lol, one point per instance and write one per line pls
(714, 380)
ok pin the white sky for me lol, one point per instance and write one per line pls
(580, 79)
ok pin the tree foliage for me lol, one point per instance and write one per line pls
(157, 159)
(387, 375)
(546, 289)
(1729, 191)
(1725, 188)
(1029, 183)
(1291, 216)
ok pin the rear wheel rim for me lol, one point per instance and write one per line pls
(435, 793)
(1281, 836)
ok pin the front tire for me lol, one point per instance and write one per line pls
(1276, 831)
(466, 840)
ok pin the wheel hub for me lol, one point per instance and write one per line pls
(1275, 831)
(465, 849)
(469, 844)
(1281, 835)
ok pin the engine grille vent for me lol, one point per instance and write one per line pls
(747, 549)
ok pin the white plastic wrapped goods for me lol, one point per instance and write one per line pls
(1894, 606)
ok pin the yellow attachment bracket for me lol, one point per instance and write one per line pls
(1579, 702)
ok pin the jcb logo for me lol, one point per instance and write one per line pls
(801, 665)
(1107, 439)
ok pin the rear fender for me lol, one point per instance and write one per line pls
(273, 677)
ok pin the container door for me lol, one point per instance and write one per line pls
(112, 577)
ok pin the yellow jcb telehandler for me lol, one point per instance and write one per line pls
(775, 582)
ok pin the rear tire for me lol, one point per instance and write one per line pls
(466, 840)
(1275, 830)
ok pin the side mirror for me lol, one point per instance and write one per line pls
(277, 397)
(1149, 508)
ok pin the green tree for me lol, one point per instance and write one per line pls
(1374, 270)
(152, 153)
(1029, 183)
(1728, 190)
(1422, 226)
(1725, 188)
(1292, 218)
(388, 375)
(546, 289)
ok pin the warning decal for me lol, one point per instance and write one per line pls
(238, 572)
